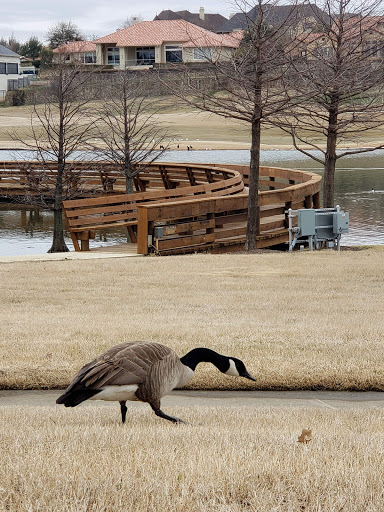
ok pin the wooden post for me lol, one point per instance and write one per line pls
(191, 176)
(308, 202)
(142, 230)
(316, 200)
(209, 176)
(85, 245)
(210, 230)
(164, 176)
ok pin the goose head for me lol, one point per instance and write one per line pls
(228, 365)
(237, 369)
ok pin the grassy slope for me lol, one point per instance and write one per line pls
(307, 320)
(186, 127)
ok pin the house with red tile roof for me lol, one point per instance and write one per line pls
(76, 51)
(366, 33)
(157, 42)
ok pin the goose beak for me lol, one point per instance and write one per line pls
(246, 375)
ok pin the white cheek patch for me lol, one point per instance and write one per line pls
(232, 370)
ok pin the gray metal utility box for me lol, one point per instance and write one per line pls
(318, 225)
(341, 222)
(306, 220)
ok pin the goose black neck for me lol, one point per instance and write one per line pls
(206, 355)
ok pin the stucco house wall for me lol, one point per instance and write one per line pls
(9, 62)
(179, 36)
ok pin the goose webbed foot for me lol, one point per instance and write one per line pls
(123, 409)
(162, 414)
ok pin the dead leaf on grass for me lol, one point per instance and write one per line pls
(305, 436)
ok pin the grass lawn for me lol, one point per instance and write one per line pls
(299, 321)
(225, 459)
(305, 320)
(187, 127)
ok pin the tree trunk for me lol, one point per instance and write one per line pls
(128, 181)
(58, 242)
(330, 160)
(253, 200)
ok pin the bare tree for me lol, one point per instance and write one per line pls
(249, 84)
(60, 125)
(131, 20)
(339, 74)
(129, 127)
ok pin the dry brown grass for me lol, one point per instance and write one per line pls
(199, 129)
(225, 460)
(307, 320)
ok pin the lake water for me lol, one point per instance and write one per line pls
(359, 189)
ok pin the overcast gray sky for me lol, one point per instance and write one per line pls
(25, 18)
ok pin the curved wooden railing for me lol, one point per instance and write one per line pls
(220, 223)
(176, 207)
(82, 179)
(85, 216)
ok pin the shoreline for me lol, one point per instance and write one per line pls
(217, 146)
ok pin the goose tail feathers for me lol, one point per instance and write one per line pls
(73, 398)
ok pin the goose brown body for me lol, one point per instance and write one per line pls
(142, 371)
(155, 369)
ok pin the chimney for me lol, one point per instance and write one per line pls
(201, 13)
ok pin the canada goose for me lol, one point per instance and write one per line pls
(142, 371)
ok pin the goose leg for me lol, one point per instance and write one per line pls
(162, 414)
(123, 409)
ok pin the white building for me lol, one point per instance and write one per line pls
(9, 68)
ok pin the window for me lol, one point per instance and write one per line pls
(145, 55)
(12, 68)
(202, 53)
(113, 56)
(173, 54)
(90, 58)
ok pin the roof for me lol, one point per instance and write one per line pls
(353, 28)
(211, 22)
(6, 52)
(157, 32)
(76, 47)
(357, 25)
(274, 15)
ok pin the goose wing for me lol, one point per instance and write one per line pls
(127, 363)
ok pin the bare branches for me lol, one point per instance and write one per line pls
(248, 84)
(129, 125)
(61, 125)
(338, 73)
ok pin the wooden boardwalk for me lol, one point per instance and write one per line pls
(176, 209)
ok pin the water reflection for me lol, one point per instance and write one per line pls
(359, 189)
(27, 230)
